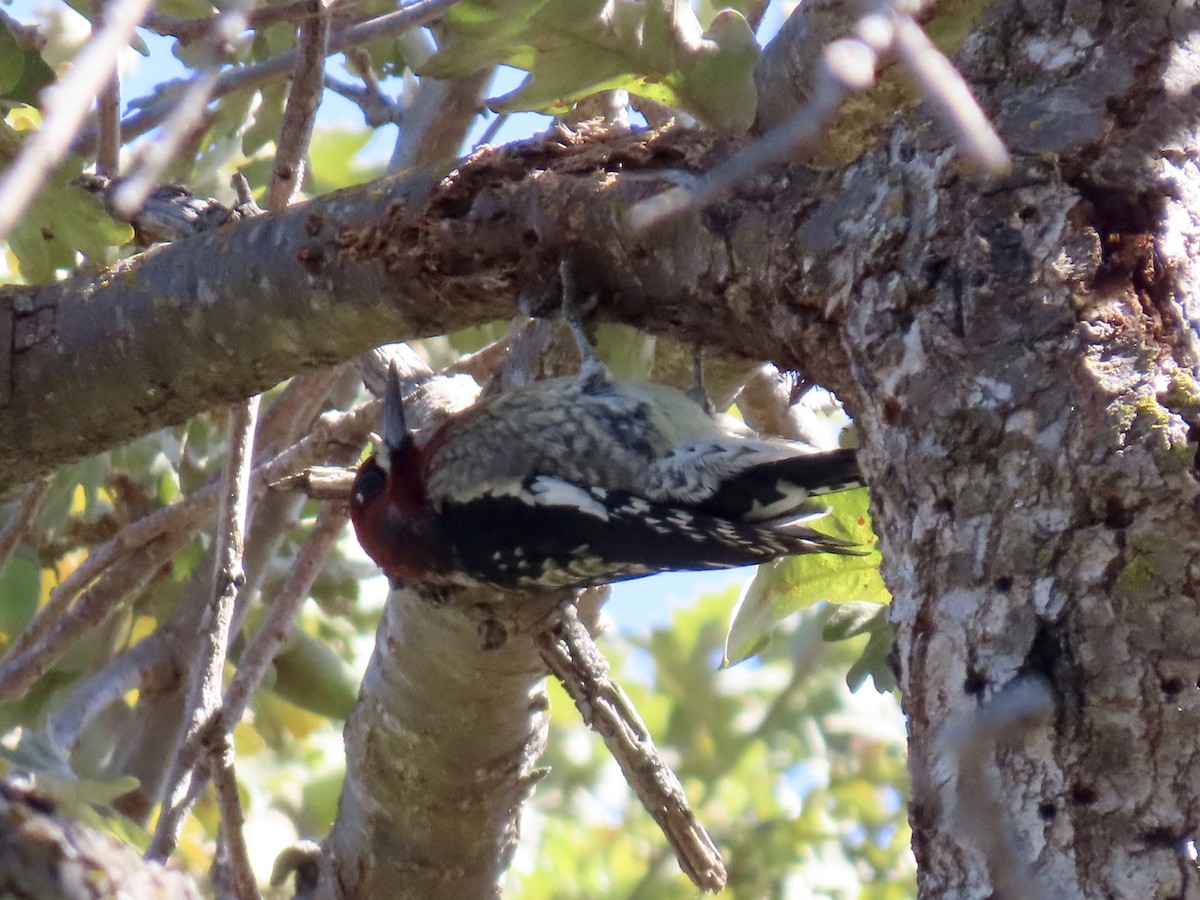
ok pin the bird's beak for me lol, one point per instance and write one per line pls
(395, 428)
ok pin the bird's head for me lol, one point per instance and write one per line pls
(388, 505)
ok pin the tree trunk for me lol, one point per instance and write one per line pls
(1024, 358)
(440, 750)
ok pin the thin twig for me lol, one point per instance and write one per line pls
(943, 86)
(64, 106)
(169, 213)
(846, 65)
(154, 111)
(175, 525)
(378, 108)
(25, 509)
(489, 133)
(187, 31)
(303, 99)
(241, 881)
(234, 865)
(349, 428)
(204, 695)
(259, 655)
(571, 654)
(185, 782)
(24, 666)
(108, 114)
(293, 410)
(256, 659)
(178, 519)
(92, 695)
(808, 655)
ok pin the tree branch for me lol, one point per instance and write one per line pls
(571, 654)
(47, 856)
(193, 334)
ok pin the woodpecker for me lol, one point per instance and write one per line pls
(584, 480)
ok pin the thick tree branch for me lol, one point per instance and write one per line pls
(222, 315)
(1027, 402)
(51, 857)
(441, 751)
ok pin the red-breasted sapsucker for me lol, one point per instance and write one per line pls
(579, 481)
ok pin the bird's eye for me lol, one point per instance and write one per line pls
(369, 483)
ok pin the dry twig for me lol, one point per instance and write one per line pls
(64, 106)
(571, 654)
(25, 509)
(36, 650)
(204, 695)
(308, 81)
(154, 111)
(186, 110)
(108, 114)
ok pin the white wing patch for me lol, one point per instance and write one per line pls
(547, 491)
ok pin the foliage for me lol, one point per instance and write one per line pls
(851, 583)
(574, 48)
(289, 749)
(794, 775)
(67, 221)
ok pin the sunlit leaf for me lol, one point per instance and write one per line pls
(23, 72)
(785, 587)
(20, 590)
(574, 48)
(310, 675)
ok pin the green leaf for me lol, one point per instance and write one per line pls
(627, 352)
(20, 590)
(718, 77)
(315, 678)
(476, 337)
(12, 62)
(34, 753)
(331, 159)
(574, 48)
(64, 221)
(267, 118)
(851, 619)
(23, 72)
(790, 585)
(865, 618)
(186, 9)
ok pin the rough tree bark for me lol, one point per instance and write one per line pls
(441, 752)
(1024, 358)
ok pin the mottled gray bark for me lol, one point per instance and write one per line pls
(44, 854)
(441, 751)
(1023, 355)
